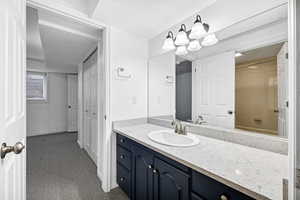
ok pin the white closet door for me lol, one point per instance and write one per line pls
(282, 77)
(90, 133)
(86, 106)
(72, 102)
(94, 110)
(213, 89)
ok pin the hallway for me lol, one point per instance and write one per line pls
(57, 169)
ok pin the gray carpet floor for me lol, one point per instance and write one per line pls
(57, 169)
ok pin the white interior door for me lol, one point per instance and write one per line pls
(90, 134)
(214, 89)
(162, 89)
(282, 77)
(12, 98)
(72, 102)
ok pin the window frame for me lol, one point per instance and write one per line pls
(45, 87)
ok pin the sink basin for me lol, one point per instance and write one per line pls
(170, 138)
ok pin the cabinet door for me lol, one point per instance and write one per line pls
(169, 182)
(142, 174)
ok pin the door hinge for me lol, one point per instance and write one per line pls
(287, 104)
(287, 55)
(104, 117)
(195, 70)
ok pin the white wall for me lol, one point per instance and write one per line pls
(128, 98)
(51, 116)
(219, 15)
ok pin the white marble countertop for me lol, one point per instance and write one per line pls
(255, 172)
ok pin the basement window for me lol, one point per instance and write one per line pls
(36, 86)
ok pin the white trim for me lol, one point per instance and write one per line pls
(292, 86)
(80, 105)
(114, 185)
(106, 151)
(99, 174)
(66, 12)
(79, 144)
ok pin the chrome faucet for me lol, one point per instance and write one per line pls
(200, 120)
(179, 127)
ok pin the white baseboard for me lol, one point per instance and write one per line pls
(39, 133)
(114, 185)
(79, 143)
(100, 175)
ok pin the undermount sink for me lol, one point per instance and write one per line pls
(170, 138)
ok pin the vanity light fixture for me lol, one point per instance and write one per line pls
(169, 42)
(181, 50)
(182, 42)
(194, 45)
(199, 29)
(210, 40)
(181, 38)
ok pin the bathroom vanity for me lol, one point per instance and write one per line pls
(211, 170)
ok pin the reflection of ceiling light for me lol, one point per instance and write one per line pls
(194, 45)
(253, 67)
(238, 54)
(181, 51)
(209, 40)
(181, 38)
(199, 29)
(169, 42)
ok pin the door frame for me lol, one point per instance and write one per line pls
(104, 146)
(293, 107)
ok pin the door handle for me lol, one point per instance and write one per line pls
(17, 149)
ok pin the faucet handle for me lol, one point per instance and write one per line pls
(173, 123)
(177, 128)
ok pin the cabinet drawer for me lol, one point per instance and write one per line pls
(124, 179)
(195, 197)
(123, 141)
(172, 162)
(124, 157)
(208, 188)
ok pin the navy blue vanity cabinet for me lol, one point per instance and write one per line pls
(124, 179)
(169, 182)
(142, 173)
(207, 188)
(124, 164)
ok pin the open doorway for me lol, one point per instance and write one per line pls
(261, 94)
(183, 89)
(65, 122)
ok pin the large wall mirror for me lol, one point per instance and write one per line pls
(239, 83)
